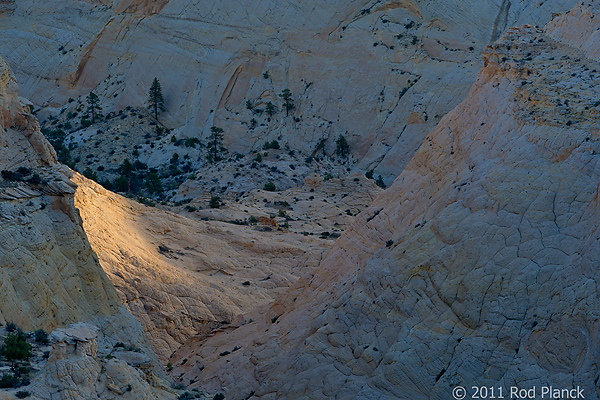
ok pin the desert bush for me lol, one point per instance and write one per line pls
(15, 347)
(215, 202)
(9, 381)
(41, 336)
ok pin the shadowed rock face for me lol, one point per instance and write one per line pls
(477, 267)
(383, 73)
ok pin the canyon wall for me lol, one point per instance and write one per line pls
(383, 73)
(477, 267)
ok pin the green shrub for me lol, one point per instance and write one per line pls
(271, 145)
(121, 184)
(11, 326)
(21, 394)
(270, 187)
(88, 173)
(41, 336)
(9, 381)
(153, 183)
(35, 179)
(215, 202)
(191, 142)
(15, 347)
(85, 123)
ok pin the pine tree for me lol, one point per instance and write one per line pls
(155, 98)
(288, 102)
(214, 143)
(342, 147)
(270, 109)
(93, 105)
(15, 347)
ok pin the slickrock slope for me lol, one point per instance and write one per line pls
(50, 276)
(179, 276)
(381, 71)
(477, 267)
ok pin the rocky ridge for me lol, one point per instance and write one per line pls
(477, 267)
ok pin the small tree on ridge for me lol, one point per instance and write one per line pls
(155, 98)
(342, 147)
(214, 143)
(288, 102)
(93, 105)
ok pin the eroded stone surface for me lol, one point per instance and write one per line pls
(477, 267)
(74, 372)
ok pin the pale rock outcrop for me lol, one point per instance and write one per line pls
(74, 372)
(381, 72)
(477, 267)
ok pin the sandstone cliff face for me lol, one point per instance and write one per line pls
(49, 274)
(381, 72)
(477, 267)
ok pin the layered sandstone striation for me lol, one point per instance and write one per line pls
(477, 267)
(381, 72)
